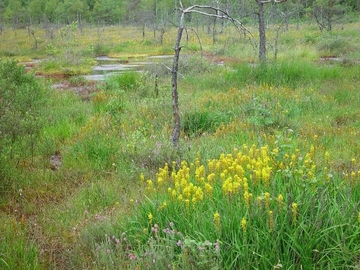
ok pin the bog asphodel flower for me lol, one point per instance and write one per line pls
(217, 220)
(150, 185)
(150, 218)
(243, 224)
(294, 208)
(271, 220)
(280, 200)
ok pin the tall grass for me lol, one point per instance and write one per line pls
(292, 73)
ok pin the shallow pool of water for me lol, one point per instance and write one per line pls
(108, 66)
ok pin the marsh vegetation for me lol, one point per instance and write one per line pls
(266, 174)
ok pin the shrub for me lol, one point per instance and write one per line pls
(100, 49)
(199, 122)
(22, 102)
(336, 46)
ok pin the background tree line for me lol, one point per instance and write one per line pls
(155, 13)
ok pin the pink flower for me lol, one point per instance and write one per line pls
(217, 245)
(132, 256)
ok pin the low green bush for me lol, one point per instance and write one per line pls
(199, 122)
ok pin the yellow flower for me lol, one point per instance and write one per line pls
(217, 219)
(271, 220)
(208, 189)
(211, 177)
(163, 205)
(243, 224)
(247, 199)
(150, 218)
(160, 180)
(294, 207)
(149, 184)
(199, 194)
(327, 155)
(173, 194)
(280, 201)
(187, 204)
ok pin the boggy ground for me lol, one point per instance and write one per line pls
(62, 219)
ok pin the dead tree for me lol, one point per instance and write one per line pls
(214, 12)
(262, 34)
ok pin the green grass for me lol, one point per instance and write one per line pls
(94, 212)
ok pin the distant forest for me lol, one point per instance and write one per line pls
(158, 14)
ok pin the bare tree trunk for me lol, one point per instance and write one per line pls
(200, 9)
(35, 39)
(262, 35)
(174, 93)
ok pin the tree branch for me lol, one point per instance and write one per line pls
(224, 15)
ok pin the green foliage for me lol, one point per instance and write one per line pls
(127, 81)
(77, 81)
(293, 74)
(198, 122)
(22, 107)
(123, 46)
(335, 46)
(265, 113)
(100, 49)
(17, 252)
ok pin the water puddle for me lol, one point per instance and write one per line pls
(108, 66)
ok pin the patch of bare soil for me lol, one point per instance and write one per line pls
(84, 90)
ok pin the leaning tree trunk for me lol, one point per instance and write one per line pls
(174, 92)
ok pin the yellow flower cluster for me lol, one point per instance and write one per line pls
(244, 177)
(234, 173)
(238, 169)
